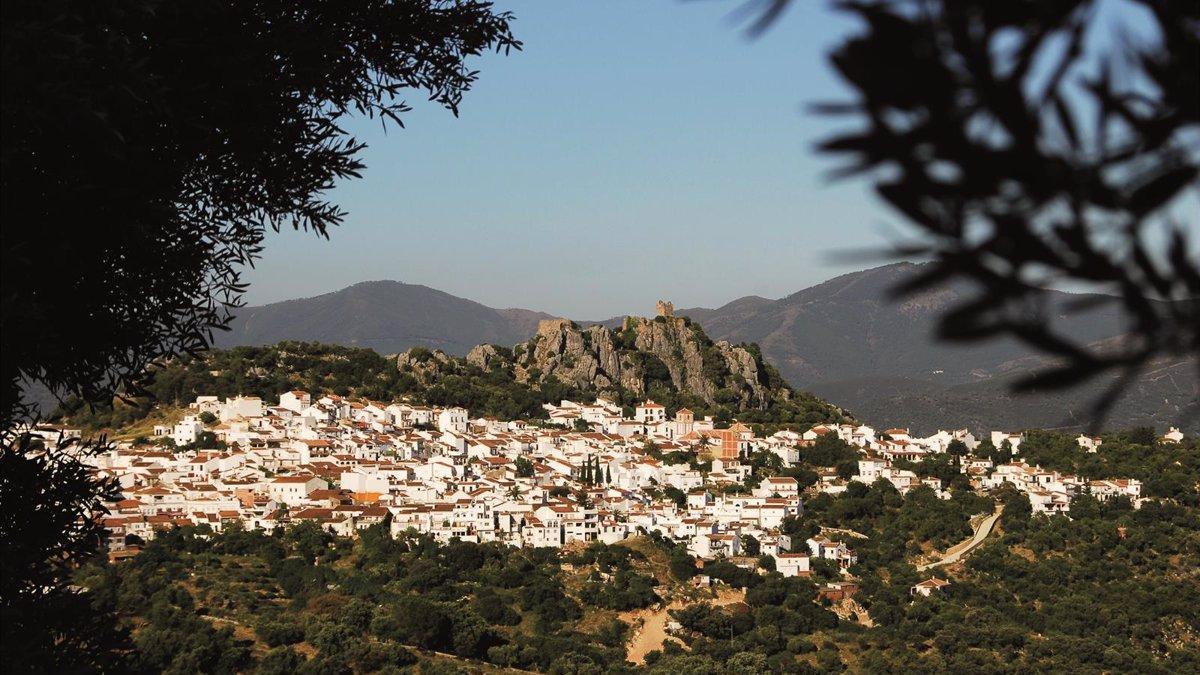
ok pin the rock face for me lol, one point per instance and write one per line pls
(427, 365)
(645, 354)
(669, 359)
(483, 356)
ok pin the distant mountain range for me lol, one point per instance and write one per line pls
(387, 316)
(843, 339)
(848, 342)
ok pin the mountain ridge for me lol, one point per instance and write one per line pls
(844, 339)
(385, 315)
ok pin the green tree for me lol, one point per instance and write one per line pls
(524, 468)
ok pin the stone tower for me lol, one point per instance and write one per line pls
(664, 308)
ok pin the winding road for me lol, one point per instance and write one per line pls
(956, 552)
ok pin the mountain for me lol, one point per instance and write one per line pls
(848, 328)
(668, 359)
(387, 316)
(846, 340)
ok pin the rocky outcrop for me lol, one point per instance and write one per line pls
(483, 356)
(666, 351)
(426, 365)
(667, 358)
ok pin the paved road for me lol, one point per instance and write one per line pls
(956, 552)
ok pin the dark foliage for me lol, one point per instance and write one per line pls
(1032, 147)
(148, 147)
(45, 625)
(360, 605)
(270, 370)
(1031, 144)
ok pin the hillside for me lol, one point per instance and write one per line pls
(668, 359)
(844, 340)
(848, 327)
(387, 316)
(848, 342)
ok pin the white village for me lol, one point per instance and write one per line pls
(589, 474)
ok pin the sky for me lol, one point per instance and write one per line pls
(633, 150)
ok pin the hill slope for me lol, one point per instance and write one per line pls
(847, 341)
(847, 328)
(387, 316)
(668, 359)
(843, 339)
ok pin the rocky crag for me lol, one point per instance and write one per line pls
(667, 358)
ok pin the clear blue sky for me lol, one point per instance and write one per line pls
(634, 150)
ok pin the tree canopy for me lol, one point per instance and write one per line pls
(148, 147)
(1035, 143)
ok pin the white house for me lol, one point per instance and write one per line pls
(783, 486)
(822, 547)
(187, 430)
(1014, 440)
(293, 490)
(241, 406)
(650, 413)
(210, 404)
(296, 401)
(708, 546)
(452, 419)
(792, 564)
(361, 481)
(928, 587)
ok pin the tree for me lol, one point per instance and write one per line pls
(676, 495)
(152, 147)
(148, 148)
(44, 624)
(751, 545)
(280, 661)
(1032, 144)
(524, 468)
(683, 565)
(1085, 135)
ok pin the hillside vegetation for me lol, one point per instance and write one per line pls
(647, 359)
(668, 359)
(1112, 589)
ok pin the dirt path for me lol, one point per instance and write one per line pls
(848, 533)
(956, 552)
(650, 625)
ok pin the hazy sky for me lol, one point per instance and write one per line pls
(634, 149)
